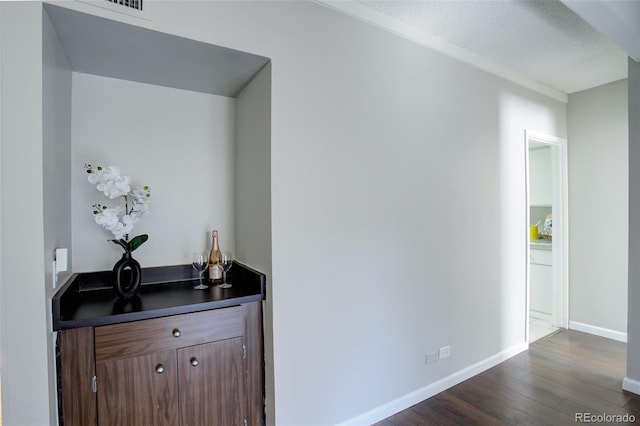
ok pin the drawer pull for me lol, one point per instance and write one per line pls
(176, 332)
(194, 362)
(159, 368)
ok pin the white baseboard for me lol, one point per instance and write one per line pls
(631, 385)
(406, 401)
(598, 331)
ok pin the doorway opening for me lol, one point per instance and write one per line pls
(547, 283)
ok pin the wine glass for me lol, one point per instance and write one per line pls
(227, 260)
(200, 263)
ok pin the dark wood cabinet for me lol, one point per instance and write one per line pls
(139, 390)
(76, 372)
(202, 368)
(211, 382)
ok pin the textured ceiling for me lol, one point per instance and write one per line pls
(542, 40)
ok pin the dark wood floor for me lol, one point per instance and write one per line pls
(561, 375)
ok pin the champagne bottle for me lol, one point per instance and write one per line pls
(215, 260)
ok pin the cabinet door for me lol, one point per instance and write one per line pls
(541, 290)
(77, 368)
(254, 362)
(139, 390)
(211, 381)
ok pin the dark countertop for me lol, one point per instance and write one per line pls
(87, 299)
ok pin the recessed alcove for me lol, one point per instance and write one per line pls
(95, 45)
(188, 118)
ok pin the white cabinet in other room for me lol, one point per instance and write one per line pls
(541, 281)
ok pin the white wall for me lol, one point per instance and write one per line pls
(178, 142)
(598, 206)
(23, 301)
(385, 157)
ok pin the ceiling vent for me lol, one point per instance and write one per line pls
(129, 7)
(132, 4)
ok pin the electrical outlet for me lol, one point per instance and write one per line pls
(444, 352)
(431, 357)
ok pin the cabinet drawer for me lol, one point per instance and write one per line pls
(159, 334)
(541, 257)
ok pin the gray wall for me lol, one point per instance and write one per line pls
(385, 158)
(253, 196)
(632, 380)
(598, 206)
(56, 167)
(23, 298)
(179, 142)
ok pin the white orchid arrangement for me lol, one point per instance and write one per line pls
(120, 219)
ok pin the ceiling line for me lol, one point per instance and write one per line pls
(416, 35)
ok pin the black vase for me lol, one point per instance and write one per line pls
(126, 276)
